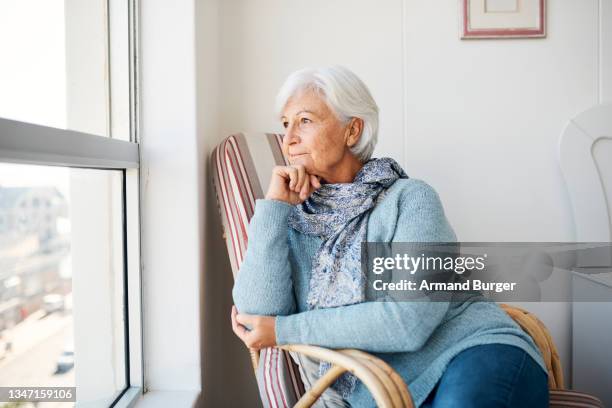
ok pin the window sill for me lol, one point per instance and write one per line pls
(163, 399)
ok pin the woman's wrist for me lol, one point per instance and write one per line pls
(274, 331)
(275, 202)
(277, 338)
(276, 198)
(286, 331)
(269, 219)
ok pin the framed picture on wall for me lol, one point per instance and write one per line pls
(503, 19)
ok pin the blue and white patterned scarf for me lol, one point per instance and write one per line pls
(339, 214)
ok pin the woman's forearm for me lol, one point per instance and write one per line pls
(264, 285)
(384, 327)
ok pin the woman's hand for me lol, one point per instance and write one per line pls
(291, 184)
(262, 332)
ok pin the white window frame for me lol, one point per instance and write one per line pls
(26, 143)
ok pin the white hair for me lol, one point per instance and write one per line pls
(346, 95)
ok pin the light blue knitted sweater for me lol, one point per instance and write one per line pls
(418, 339)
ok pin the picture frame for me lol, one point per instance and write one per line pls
(503, 19)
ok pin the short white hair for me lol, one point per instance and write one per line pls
(346, 95)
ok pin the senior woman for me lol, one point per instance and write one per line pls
(301, 280)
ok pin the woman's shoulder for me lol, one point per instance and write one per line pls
(406, 190)
(410, 211)
(407, 197)
(420, 213)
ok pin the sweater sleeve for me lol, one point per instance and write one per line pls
(263, 284)
(380, 326)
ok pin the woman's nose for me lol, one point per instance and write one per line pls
(290, 136)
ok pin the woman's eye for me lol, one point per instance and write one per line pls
(285, 124)
(305, 120)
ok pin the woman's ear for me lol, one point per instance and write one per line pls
(354, 130)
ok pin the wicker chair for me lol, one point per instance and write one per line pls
(241, 167)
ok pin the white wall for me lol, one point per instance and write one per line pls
(225, 360)
(479, 120)
(170, 181)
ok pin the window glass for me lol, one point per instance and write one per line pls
(62, 308)
(58, 62)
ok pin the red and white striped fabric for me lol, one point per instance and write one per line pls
(241, 168)
(278, 378)
(573, 399)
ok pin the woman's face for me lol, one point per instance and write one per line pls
(315, 137)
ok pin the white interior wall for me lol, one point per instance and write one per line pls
(263, 42)
(170, 203)
(227, 375)
(479, 120)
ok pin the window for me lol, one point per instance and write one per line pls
(70, 302)
(57, 59)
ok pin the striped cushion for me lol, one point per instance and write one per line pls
(573, 399)
(241, 168)
(280, 384)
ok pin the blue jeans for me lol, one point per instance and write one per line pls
(491, 375)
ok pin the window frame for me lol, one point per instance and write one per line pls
(26, 143)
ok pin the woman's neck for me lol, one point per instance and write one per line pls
(345, 171)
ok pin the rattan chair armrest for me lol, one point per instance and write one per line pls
(378, 377)
(394, 382)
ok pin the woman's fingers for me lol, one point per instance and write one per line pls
(314, 180)
(305, 191)
(249, 337)
(299, 180)
(233, 314)
(294, 185)
(297, 176)
(238, 329)
(293, 177)
(302, 179)
(260, 335)
(311, 183)
(234, 322)
(245, 319)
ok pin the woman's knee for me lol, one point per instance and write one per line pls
(492, 375)
(531, 387)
